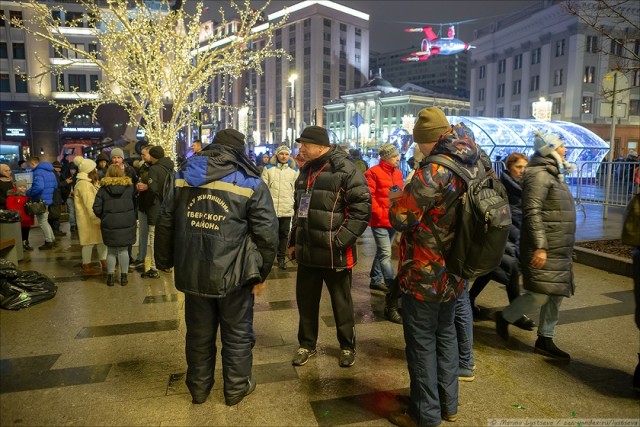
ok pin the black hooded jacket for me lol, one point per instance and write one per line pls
(217, 226)
(159, 175)
(114, 207)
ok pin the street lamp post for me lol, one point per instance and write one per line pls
(292, 108)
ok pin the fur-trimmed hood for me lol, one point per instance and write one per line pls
(116, 185)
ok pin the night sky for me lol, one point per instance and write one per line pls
(388, 18)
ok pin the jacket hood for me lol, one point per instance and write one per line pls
(215, 162)
(547, 162)
(44, 166)
(459, 144)
(116, 185)
(274, 162)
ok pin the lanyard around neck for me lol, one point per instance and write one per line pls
(311, 180)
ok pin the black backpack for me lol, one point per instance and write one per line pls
(484, 221)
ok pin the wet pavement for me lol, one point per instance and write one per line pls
(96, 355)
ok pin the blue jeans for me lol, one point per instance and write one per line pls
(432, 358)
(549, 311)
(143, 236)
(464, 329)
(382, 268)
(71, 210)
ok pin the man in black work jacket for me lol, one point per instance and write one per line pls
(217, 227)
(332, 209)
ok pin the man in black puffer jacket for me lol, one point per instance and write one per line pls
(332, 209)
(218, 228)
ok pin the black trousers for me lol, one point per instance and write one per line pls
(508, 274)
(234, 315)
(308, 292)
(284, 225)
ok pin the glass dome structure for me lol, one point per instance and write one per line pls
(500, 137)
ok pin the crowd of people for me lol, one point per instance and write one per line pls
(221, 220)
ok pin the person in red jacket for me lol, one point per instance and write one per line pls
(16, 199)
(382, 179)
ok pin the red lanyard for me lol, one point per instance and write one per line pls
(311, 180)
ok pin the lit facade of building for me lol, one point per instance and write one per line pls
(329, 47)
(445, 71)
(543, 51)
(378, 113)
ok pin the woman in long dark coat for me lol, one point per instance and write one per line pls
(546, 244)
(114, 206)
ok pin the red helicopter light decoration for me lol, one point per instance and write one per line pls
(432, 44)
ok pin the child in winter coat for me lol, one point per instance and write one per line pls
(114, 206)
(16, 198)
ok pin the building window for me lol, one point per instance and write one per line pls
(15, 14)
(4, 83)
(589, 75)
(343, 27)
(77, 82)
(327, 22)
(557, 77)
(515, 112)
(560, 48)
(358, 32)
(326, 93)
(482, 71)
(358, 45)
(556, 106)
(21, 83)
(481, 94)
(4, 53)
(517, 87)
(534, 83)
(501, 90)
(327, 37)
(535, 56)
(500, 112)
(1, 20)
(634, 107)
(93, 82)
(636, 48)
(636, 78)
(616, 47)
(326, 50)
(587, 104)
(502, 66)
(18, 51)
(517, 62)
(592, 44)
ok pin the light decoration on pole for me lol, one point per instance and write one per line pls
(541, 109)
(151, 59)
(292, 108)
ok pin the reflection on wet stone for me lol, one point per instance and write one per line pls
(152, 299)
(128, 328)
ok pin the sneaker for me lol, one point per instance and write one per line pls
(525, 323)
(392, 315)
(546, 347)
(47, 246)
(26, 246)
(347, 358)
(282, 264)
(451, 418)
(150, 274)
(59, 233)
(636, 377)
(502, 326)
(465, 375)
(251, 386)
(302, 356)
(136, 263)
(402, 419)
(379, 287)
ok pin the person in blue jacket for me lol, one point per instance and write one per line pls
(43, 185)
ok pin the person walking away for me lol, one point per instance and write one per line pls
(88, 223)
(55, 209)
(42, 188)
(429, 290)
(546, 244)
(280, 176)
(508, 272)
(332, 209)
(151, 196)
(217, 229)
(143, 224)
(383, 179)
(114, 206)
(16, 198)
(69, 203)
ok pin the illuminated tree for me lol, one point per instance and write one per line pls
(153, 61)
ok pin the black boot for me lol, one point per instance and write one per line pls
(391, 309)
(110, 280)
(546, 347)
(636, 377)
(123, 279)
